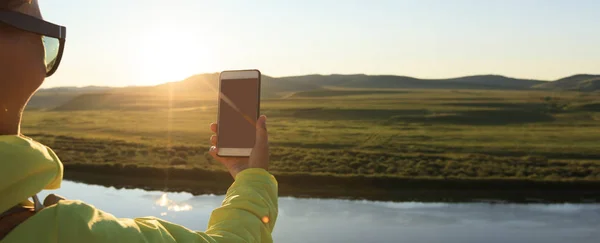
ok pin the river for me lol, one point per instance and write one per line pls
(335, 220)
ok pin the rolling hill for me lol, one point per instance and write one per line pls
(200, 90)
(274, 87)
(53, 97)
(403, 82)
(580, 82)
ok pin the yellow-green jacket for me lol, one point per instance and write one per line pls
(27, 167)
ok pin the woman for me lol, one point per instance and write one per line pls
(30, 50)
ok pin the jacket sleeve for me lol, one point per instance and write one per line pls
(248, 214)
(249, 211)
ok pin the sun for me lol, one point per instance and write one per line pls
(172, 55)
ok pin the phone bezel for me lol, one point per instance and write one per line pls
(236, 74)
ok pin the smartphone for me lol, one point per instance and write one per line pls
(238, 110)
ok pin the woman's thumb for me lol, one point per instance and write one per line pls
(261, 131)
(260, 153)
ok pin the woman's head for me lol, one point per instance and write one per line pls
(22, 65)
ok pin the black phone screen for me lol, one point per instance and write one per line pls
(238, 111)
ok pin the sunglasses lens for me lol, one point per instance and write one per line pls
(51, 46)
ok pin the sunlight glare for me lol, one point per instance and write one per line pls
(172, 55)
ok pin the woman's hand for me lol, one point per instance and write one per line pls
(259, 158)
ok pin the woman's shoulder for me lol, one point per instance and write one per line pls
(75, 221)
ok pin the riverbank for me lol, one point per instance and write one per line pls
(377, 188)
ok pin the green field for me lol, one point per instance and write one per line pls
(435, 134)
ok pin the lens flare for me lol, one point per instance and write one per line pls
(265, 219)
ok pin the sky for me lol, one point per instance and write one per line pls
(147, 42)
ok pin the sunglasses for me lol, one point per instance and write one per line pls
(53, 36)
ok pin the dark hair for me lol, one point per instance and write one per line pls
(12, 4)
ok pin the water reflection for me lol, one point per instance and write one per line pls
(171, 205)
(333, 220)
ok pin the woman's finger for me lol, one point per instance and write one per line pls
(213, 140)
(213, 151)
(214, 127)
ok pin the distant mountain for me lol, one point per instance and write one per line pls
(208, 84)
(580, 82)
(200, 90)
(403, 82)
(497, 81)
(76, 89)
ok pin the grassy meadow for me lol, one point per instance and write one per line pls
(410, 133)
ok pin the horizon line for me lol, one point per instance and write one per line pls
(319, 74)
